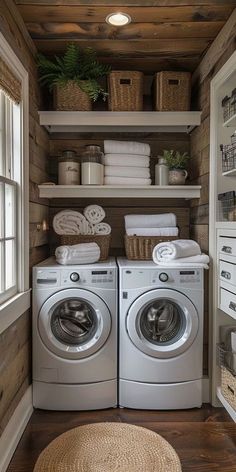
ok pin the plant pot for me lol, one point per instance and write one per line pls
(177, 176)
(70, 97)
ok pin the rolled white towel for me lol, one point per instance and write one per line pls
(94, 214)
(181, 248)
(164, 220)
(119, 171)
(102, 228)
(202, 260)
(69, 222)
(83, 253)
(126, 181)
(126, 147)
(152, 231)
(126, 160)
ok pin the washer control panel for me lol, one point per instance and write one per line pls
(189, 276)
(79, 278)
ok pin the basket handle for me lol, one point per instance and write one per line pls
(173, 81)
(125, 81)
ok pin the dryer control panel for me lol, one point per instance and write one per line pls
(163, 277)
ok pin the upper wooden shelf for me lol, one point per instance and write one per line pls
(119, 191)
(151, 121)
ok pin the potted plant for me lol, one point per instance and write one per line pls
(177, 164)
(73, 78)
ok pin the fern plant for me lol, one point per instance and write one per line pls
(175, 160)
(78, 65)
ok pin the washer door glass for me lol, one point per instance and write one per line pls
(162, 323)
(74, 323)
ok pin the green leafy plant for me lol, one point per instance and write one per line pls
(176, 160)
(78, 65)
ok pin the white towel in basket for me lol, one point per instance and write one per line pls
(164, 220)
(70, 222)
(102, 228)
(94, 214)
(152, 231)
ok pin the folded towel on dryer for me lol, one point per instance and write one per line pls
(126, 147)
(84, 253)
(201, 261)
(181, 248)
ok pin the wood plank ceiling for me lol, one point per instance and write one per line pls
(163, 35)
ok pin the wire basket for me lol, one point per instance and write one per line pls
(140, 248)
(103, 241)
(227, 206)
(228, 157)
(227, 362)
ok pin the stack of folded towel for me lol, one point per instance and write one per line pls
(151, 225)
(126, 163)
(180, 253)
(84, 253)
(70, 222)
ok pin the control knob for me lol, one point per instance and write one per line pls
(163, 277)
(74, 277)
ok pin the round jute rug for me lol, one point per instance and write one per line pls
(108, 447)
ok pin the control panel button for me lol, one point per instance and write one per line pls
(74, 277)
(163, 277)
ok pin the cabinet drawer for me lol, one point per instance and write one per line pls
(227, 246)
(228, 302)
(228, 273)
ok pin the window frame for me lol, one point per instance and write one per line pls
(22, 214)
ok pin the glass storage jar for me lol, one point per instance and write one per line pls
(68, 168)
(92, 169)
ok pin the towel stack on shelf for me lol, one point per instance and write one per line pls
(151, 225)
(180, 253)
(126, 163)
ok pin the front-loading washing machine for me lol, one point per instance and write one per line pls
(75, 336)
(160, 336)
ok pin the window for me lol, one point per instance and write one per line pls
(13, 176)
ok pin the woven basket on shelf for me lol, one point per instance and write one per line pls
(125, 91)
(228, 386)
(70, 97)
(103, 241)
(172, 91)
(139, 248)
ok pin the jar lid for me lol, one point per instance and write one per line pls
(93, 147)
(68, 153)
(161, 160)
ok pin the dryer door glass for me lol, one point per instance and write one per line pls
(162, 321)
(73, 321)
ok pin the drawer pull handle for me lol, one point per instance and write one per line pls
(225, 274)
(232, 306)
(227, 249)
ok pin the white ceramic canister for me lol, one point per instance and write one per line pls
(68, 169)
(92, 169)
(161, 172)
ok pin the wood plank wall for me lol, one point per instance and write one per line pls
(15, 342)
(117, 208)
(218, 54)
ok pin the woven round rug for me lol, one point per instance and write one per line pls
(108, 447)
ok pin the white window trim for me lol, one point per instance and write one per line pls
(21, 301)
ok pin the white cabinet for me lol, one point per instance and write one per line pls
(222, 230)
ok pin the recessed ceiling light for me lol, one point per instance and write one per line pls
(118, 19)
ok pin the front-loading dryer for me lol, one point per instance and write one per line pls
(75, 336)
(160, 336)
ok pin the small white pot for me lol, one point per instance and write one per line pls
(177, 176)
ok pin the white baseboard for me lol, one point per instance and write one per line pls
(14, 429)
(206, 390)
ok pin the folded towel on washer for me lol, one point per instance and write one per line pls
(119, 171)
(181, 248)
(102, 228)
(84, 253)
(126, 147)
(126, 181)
(171, 231)
(126, 160)
(94, 214)
(202, 261)
(164, 220)
(71, 222)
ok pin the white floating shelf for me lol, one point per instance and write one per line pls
(151, 121)
(229, 173)
(227, 406)
(231, 122)
(119, 191)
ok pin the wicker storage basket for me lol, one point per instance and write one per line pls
(103, 242)
(125, 91)
(70, 97)
(228, 386)
(172, 91)
(139, 248)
